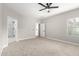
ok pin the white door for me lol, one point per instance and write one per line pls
(37, 29)
(42, 30)
(12, 29)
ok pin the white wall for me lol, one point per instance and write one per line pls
(1, 40)
(4, 12)
(28, 30)
(26, 25)
(0, 23)
(56, 26)
(8, 12)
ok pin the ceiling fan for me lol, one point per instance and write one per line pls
(47, 6)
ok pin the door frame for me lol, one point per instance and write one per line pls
(43, 34)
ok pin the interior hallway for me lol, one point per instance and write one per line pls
(40, 47)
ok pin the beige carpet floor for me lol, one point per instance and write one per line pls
(40, 47)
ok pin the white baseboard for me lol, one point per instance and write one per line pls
(68, 42)
(29, 38)
(25, 38)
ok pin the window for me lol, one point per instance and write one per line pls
(12, 27)
(73, 26)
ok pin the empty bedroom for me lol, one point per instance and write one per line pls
(39, 29)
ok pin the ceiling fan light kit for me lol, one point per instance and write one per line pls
(47, 6)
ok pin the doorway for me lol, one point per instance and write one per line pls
(40, 30)
(37, 26)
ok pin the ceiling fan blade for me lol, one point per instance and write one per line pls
(42, 4)
(54, 7)
(42, 9)
(50, 4)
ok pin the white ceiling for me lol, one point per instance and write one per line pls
(33, 9)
